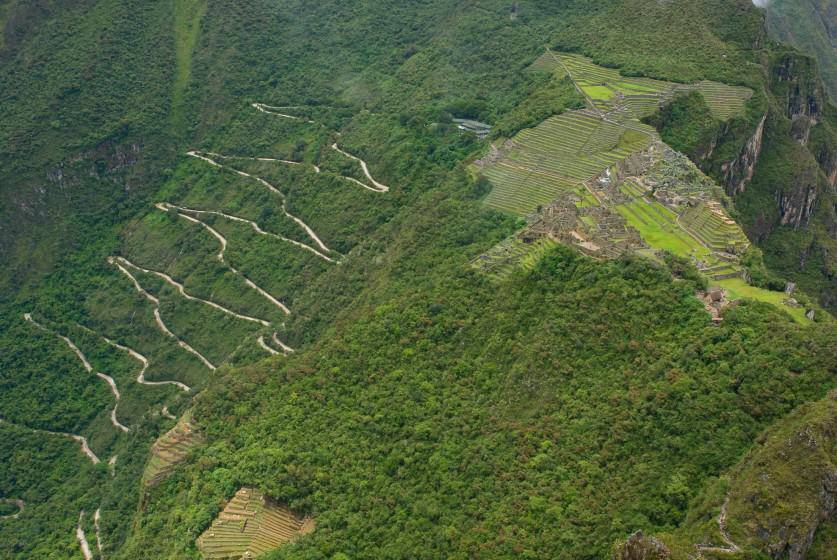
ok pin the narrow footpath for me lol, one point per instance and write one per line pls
(107, 378)
(82, 538)
(85, 448)
(159, 320)
(731, 547)
(378, 187)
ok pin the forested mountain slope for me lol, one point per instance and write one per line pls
(239, 306)
(810, 25)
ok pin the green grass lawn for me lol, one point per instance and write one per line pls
(660, 237)
(598, 92)
(738, 288)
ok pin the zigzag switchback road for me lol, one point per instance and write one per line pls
(85, 447)
(271, 188)
(107, 378)
(157, 317)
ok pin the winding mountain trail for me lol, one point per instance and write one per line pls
(144, 361)
(285, 348)
(731, 547)
(85, 448)
(270, 110)
(169, 280)
(267, 348)
(21, 505)
(220, 256)
(378, 187)
(166, 414)
(266, 159)
(112, 465)
(165, 206)
(107, 378)
(272, 189)
(82, 538)
(160, 324)
(96, 517)
(182, 290)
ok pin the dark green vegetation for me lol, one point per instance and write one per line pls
(779, 497)
(811, 26)
(429, 411)
(685, 123)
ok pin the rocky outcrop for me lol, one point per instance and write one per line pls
(823, 146)
(107, 159)
(796, 206)
(795, 83)
(738, 172)
(641, 547)
(787, 486)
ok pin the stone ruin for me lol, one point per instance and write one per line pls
(605, 234)
(714, 301)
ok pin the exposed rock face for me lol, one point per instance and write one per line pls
(640, 547)
(739, 172)
(796, 206)
(787, 486)
(106, 159)
(794, 81)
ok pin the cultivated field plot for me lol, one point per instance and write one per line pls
(506, 256)
(557, 156)
(724, 101)
(607, 90)
(170, 450)
(662, 228)
(250, 525)
(714, 229)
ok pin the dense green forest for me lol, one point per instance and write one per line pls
(190, 207)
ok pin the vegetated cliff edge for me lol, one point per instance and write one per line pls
(810, 25)
(779, 500)
(779, 162)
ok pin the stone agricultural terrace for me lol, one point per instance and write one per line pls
(250, 525)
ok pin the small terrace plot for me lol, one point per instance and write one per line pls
(170, 450)
(250, 525)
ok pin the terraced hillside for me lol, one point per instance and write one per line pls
(608, 91)
(557, 157)
(602, 181)
(250, 525)
(170, 449)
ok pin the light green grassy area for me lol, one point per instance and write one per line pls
(187, 18)
(659, 234)
(724, 101)
(587, 199)
(714, 230)
(598, 92)
(738, 288)
(629, 87)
